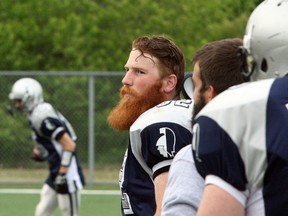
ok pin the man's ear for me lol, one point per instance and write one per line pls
(211, 93)
(169, 83)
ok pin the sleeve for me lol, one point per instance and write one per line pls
(241, 196)
(52, 127)
(160, 143)
(46, 122)
(185, 186)
(215, 153)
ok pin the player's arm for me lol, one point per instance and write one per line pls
(160, 183)
(218, 202)
(184, 187)
(49, 124)
(218, 160)
(61, 183)
(69, 147)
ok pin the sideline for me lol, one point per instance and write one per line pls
(37, 191)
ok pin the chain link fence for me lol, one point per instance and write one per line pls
(85, 99)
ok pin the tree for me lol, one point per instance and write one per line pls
(94, 35)
(90, 35)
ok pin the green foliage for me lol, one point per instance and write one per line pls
(91, 35)
(94, 35)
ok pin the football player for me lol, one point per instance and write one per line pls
(240, 142)
(217, 66)
(159, 123)
(55, 142)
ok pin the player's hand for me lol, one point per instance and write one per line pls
(39, 153)
(60, 183)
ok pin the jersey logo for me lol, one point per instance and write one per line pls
(166, 142)
(49, 125)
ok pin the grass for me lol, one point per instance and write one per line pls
(21, 175)
(24, 205)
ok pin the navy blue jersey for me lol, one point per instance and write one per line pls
(48, 125)
(241, 137)
(154, 139)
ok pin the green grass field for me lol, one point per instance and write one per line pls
(23, 204)
(20, 203)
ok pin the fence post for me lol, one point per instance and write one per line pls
(91, 127)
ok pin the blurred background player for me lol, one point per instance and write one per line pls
(217, 66)
(240, 142)
(159, 124)
(55, 142)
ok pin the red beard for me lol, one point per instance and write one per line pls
(130, 108)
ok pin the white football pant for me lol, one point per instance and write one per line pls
(50, 200)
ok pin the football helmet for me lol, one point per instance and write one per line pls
(187, 86)
(266, 41)
(29, 91)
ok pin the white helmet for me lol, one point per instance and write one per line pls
(266, 40)
(29, 91)
(187, 86)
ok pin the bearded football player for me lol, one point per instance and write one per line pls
(158, 122)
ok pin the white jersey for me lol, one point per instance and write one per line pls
(47, 126)
(240, 143)
(185, 186)
(155, 138)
